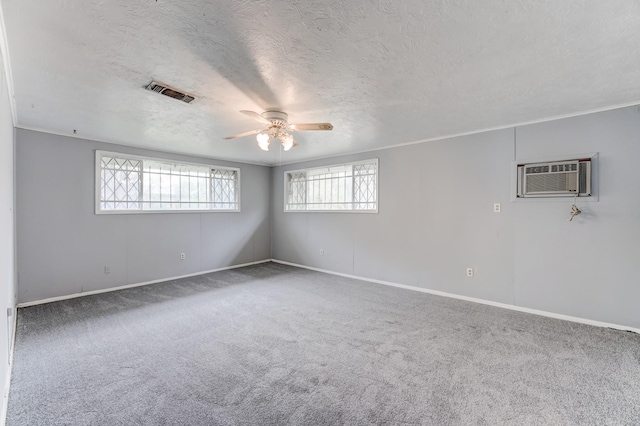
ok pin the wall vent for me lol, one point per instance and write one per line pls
(163, 89)
(555, 179)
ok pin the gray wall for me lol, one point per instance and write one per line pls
(63, 246)
(7, 252)
(436, 218)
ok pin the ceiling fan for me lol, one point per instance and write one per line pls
(277, 127)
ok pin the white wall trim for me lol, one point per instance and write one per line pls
(122, 287)
(372, 280)
(141, 147)
(324, 157)
(470, 132)
(471, 299)
(4, 49)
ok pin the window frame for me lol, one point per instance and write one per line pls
(142, 158)
(351, 163)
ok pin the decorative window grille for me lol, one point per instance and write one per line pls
(129, 184)
(345, 187)
(297, 191)
(365, 186)
(120, 189)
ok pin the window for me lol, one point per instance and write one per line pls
(345, 187)
(129, 184)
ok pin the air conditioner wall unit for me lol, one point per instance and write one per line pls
(555, 179)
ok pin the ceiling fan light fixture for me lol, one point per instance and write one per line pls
(278, 128)
(263, 141)
(287, 141)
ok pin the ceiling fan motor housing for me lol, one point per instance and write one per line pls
(278, 118)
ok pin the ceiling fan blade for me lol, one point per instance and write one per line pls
(311, 126)
(256, 117)
(240, 135)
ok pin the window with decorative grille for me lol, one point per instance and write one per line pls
(130, 184)
(345, 187)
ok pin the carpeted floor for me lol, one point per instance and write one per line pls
(275, 345)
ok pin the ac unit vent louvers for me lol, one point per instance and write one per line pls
(163, 89)
(557, 179)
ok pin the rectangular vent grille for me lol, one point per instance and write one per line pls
(563, 178)
(552, 182)
(163, 89)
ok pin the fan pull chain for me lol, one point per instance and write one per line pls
(575, 211)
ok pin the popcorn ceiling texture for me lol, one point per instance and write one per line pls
(383, 72)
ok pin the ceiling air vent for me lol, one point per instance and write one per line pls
(163, 89)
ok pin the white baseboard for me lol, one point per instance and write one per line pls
(372, 280)
(471, 299)
(122, 287)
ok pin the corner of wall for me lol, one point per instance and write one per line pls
(8, 281)
(270, 208)
(4, 50)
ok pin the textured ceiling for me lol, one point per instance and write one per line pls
(383, 72)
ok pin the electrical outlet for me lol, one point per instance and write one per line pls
(496, 208)
(469, 272)
(182, 256)
(321, 252)
(107, 269)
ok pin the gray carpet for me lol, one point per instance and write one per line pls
(276, 345)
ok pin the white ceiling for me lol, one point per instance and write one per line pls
(383, 72)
